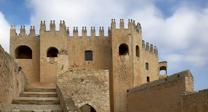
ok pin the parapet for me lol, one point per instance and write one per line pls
(149, 47)
(171, 78)
(200, 92)
(75, 33)
(131, 25)
(22, 33)
(191, 99)
(75, 29)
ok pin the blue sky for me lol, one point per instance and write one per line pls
(178, 27)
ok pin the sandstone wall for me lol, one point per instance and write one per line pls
(100, 46)
(31, 67)
(128, 69)
(81, 87)
(196, 102)
(12, 79)
(149, 54)
(49, 39)
(49, 70)
(164, 95)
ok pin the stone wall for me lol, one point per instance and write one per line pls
(84, 87)
(164, 95)
(31, 67)
(12, 79)
(196, 102)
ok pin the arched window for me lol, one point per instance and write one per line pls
(148, 79)
(23, 52)
(123, 49)
(147, 66)
(163, 70)
(87, 108)
(88, 55)
(52, 52)
(137, 51)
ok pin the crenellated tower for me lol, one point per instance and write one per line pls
(128, 61)
(51, 42)
(24, 47)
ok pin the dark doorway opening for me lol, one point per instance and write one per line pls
(52, 52)
(123, 49)
(87, 108)
(23, 52)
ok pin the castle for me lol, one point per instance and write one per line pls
(119, 72)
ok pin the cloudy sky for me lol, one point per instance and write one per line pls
(178, 27)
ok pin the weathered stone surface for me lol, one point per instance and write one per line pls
(37, 99)
(12, 79)
(195, 102)
(36, 108)
(171, 94)
(86, 87)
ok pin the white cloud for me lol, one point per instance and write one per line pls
(4, 32)
(181, 37)
(77, 12)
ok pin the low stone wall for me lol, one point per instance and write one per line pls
(12, 79)
(84, 87)
(164, 95)
(196, 102)
(67, 104)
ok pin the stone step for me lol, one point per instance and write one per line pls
(35, 108)
(36, 100)
(38, 94)
(40, 90)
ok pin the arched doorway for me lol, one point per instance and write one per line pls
(87, 108)
(23, 52)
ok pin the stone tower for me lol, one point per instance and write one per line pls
(51, 42)
(128, 61)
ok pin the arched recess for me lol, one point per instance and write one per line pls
(123, 49)
(87, 108)
(23, 52)
(163, 70)
(137, 51)
(52, 52)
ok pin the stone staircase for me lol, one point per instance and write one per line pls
(37, 100)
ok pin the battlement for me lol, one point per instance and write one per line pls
(131, 25)
(75, 30)
(22, 31)
(62, 28)
(168, 79)
(149, 47)
(85, 32)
